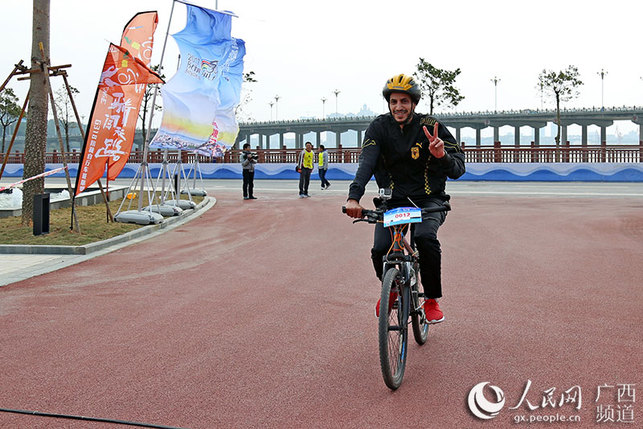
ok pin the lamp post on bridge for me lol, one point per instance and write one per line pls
(323, 107)
(495, 81)
(271, 104)
(276, 107)
(602, 74)
(336, 92)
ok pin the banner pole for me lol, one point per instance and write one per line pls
(149, 124)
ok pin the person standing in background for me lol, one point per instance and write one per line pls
(248, 161)
(305, 164)
(323, 166)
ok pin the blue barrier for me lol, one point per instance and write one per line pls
(556, 172)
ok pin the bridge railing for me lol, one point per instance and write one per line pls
(475, 154)
(549, 154)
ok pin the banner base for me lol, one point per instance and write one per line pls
(138, 217)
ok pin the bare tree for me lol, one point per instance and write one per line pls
(65, 111)
(36, 130)
(9, 111)
(438, 85)
(147, 104)
(246, 97)
(563, 85)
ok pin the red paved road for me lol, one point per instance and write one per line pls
(260, 314)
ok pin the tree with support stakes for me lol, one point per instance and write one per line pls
(563, 85)
(36, 131)
(438, 85)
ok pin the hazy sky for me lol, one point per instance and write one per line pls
(304, 50)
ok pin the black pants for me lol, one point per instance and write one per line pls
(425, 235)
(248, 183)
(304, 180)
(322, 177)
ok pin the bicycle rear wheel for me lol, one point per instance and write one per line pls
(393, 328)
(418, 318)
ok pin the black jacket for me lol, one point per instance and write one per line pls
(400, 159)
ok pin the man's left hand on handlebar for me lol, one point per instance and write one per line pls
(354, 209)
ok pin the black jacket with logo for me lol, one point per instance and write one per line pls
(400, 159)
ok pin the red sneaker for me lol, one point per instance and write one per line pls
(432, 311)
(391, 300)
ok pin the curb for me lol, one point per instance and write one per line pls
(206, 204)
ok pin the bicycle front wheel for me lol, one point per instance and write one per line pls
(418, 318)
(393, 328)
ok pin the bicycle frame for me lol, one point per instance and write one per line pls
(404, 256)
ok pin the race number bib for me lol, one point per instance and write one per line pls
(402, 215)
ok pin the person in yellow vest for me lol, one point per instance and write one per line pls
(323, 166)
(305, 164)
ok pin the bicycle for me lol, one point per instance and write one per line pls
(402, 290)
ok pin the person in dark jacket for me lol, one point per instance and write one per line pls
(248, 161)
(413, 154)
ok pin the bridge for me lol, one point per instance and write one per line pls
(535, 119)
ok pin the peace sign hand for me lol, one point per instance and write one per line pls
(436, 145)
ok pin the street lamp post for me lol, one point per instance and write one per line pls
(323, 107)
(495, 81)
(276, 107)
(602, 74)
(336, 92)
(271, 104)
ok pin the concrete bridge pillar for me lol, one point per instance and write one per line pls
(603, 134)
(478, 137)
(318, 137)
(360, 137)
(563, 135)
(537, 136)
(583, 135)
(338, 139)
(281, 139)
(516, 136)
(496, 134)
(457, 135)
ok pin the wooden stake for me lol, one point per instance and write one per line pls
(13, 137)
(63, 73)
(14, 72)
(60, 139)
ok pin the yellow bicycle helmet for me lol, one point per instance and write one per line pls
(402, 83)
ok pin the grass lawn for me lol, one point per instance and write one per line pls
(92, 220)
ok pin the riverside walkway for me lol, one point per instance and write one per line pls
(260, 314)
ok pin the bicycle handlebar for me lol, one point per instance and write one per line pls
(374, 216)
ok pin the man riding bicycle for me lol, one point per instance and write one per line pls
(403, 154)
